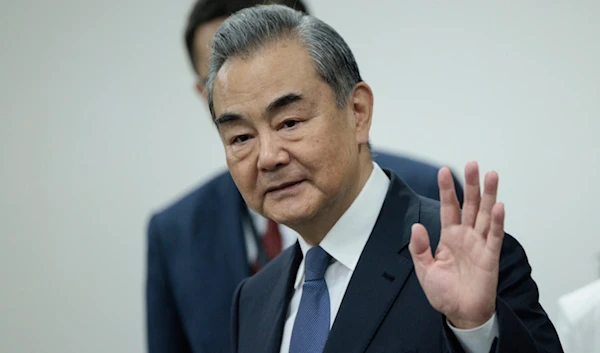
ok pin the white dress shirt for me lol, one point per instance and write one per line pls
(345, 243)
(578, 323)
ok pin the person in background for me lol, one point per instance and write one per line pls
(377, 268)
(201, 246)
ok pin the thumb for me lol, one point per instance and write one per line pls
(420, 249)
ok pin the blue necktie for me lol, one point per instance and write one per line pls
(312, 321)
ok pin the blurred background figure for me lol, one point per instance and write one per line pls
(203, 245)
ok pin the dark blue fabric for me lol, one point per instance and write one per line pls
(311, 326)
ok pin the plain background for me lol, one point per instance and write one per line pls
(100, 126)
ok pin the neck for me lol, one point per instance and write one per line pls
(314, 231)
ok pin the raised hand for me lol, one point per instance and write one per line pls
(460, 281)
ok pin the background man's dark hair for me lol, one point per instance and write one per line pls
(205, 11)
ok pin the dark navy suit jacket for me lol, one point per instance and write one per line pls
(384, 309)
(197, 256)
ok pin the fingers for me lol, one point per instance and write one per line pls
(490, 191)
(496, 234)
(472, 194)
(449, 206)
(419, 248)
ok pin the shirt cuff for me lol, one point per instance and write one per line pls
(478, 339)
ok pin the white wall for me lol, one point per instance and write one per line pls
(99, 125)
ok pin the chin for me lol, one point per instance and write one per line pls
(291, 214)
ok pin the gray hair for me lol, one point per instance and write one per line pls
(251, 29)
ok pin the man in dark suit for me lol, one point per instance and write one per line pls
(376, 268)
(202, 246)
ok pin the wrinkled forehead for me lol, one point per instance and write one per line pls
(255, 80)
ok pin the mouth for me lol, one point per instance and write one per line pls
(284, 186)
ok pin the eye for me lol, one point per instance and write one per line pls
(240, 139)
(290, 123)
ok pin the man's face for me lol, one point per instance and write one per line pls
(292, 153)
(202, 51)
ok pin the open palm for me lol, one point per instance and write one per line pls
(460, 281)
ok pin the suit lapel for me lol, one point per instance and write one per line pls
(273, 314)
(380, 273)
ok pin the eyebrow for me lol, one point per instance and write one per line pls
(275, 105)
(283, 101)
(227, 118)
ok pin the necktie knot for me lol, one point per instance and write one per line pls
(316, 263)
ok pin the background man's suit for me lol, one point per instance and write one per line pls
(384, 308)
(197, 257)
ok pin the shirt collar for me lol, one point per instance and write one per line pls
(348, 237)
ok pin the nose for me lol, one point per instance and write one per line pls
(272, 153)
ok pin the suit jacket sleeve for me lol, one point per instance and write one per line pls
(164, 330)
(523, 325)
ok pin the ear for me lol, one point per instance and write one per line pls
(201, 89)
(361, 101)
